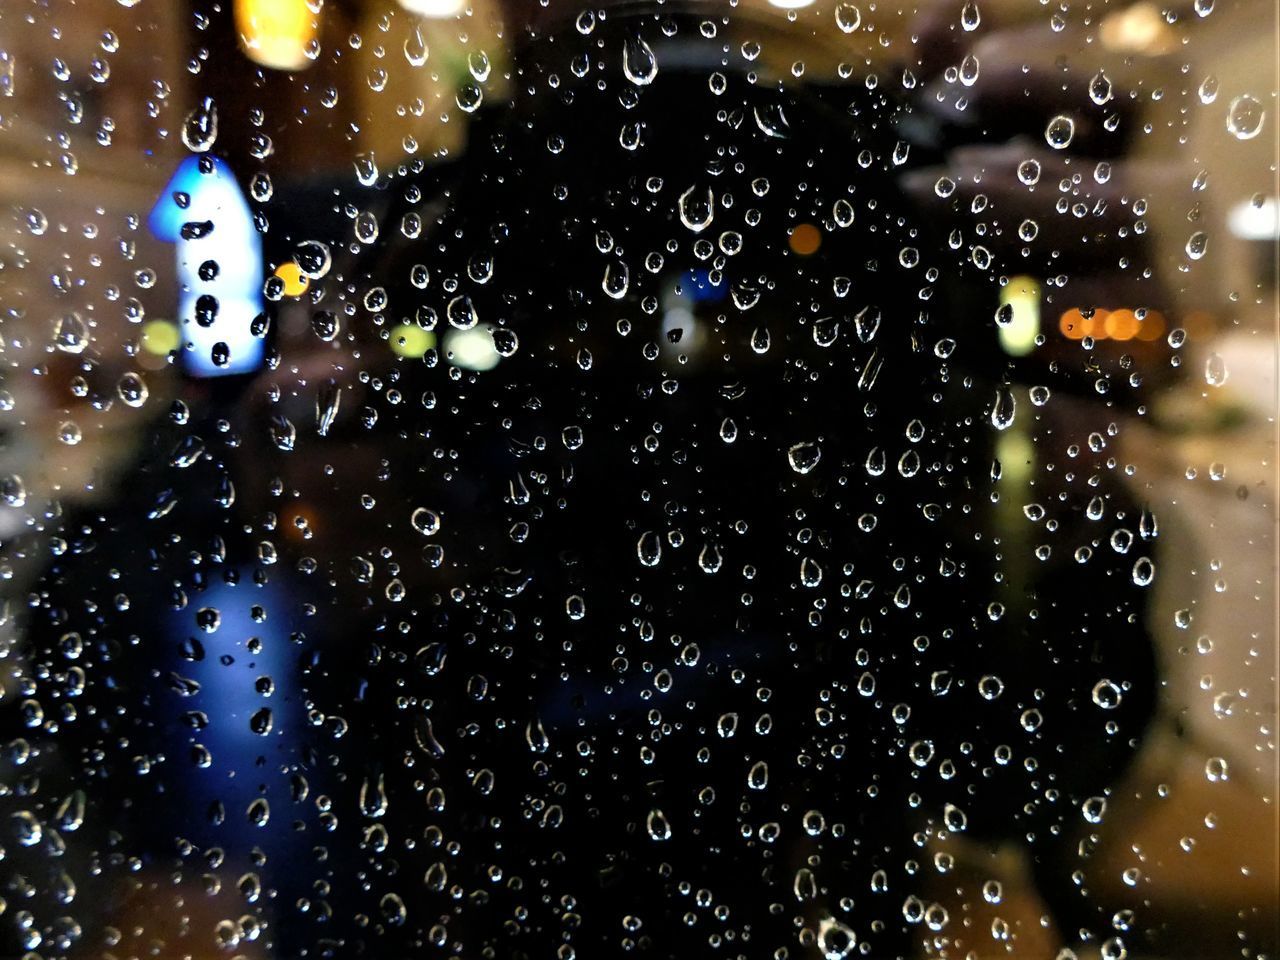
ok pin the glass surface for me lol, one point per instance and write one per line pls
(494, 479)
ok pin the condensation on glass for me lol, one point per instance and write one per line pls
(486, 478)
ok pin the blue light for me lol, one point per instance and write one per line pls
(233, 244)
(696, 285)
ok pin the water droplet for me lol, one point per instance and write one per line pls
(462, 312)
(848, 17)
(26, 828)
(1004, 408)
(260, 723)
(282, 431)
(415, 48)
(1215, 370)
(1144, 571)
(616, 279)
(1059, 132)
(425, 521)
(373, 797)
(366, 169)
(638, 62)
(697, 208)
(200, 128)
(313, 258)
(649, 548)
(1107, 695)
(1244, 119)
(1094, 809)
(1100, 88)
(658, 826)
(328, 399)
(867, 323)
(810, 572)
(71, 334)
(536, 736)
(132, 389)
(804, 456)
(835, 940)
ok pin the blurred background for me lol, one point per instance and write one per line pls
(301, 335)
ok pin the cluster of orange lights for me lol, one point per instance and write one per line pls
(1122, 324)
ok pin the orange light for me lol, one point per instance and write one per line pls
(276, 33)
(1152, 326)
(805, 239)
(1121, 325)
(295, 281)
(1074, 326)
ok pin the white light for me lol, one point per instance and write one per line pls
(471, 349)
(439, 9)
(1250, 222)
(791, 4)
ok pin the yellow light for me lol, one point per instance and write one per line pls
(1018, 336)
(410, 340)
(1017, 455)
(805, 239)
(295, 281)
(276, 33)
(160, 337)
(1139, 28)
(438, 9)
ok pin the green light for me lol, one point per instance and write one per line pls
(160, 337)
(409, 340)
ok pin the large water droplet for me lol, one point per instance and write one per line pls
(804, 456)
(1004, 408)
(1244, 119)
(649, 548)
(697, 208)
(313, 258)
(1100, 88)
(658, 826)
(616, 279)
(638, 62)
(1215, 370)
(1059, 132)
(848, 17)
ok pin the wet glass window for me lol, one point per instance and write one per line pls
(770, 479)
